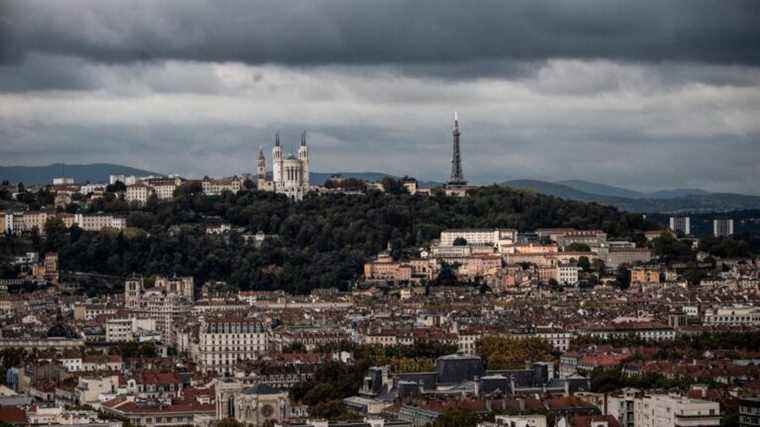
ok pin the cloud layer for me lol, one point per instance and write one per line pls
(642, 94)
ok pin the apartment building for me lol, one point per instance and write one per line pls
(138, 193)
(670, 410)
(645, 275)
(222, 342)
(567, 274)
(499, 238)
(732, 316)
(680, 224)
(215, 187)
(100, 222)
(127, 329)
(163, 188)
(723, 227)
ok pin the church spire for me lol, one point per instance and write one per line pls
(303, 139)
(277, 139)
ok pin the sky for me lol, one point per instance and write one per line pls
(645, 94)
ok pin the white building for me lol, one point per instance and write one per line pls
(100, 222)
(668, 410)
(723, 227)
(567, 274)
(225, 341)
(680, 224)
(501, 238)
(535, 420)
(138, 192)
(732, 316)
(621, 405)
(63, 180)
(128, 329)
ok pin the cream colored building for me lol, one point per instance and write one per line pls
(138, 193)
(183, 286)
(535, 420)
(222, 342)
(215, 187)
(163, 187)
(99, 222)
(669, 410)
(732, 316)
(127, 329)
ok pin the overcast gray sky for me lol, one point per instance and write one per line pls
(644, 94)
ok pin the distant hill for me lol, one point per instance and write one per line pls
(601, 189)
(678, 192)
(95, 172)
(679, 200)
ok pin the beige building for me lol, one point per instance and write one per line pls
(165, 304)
(645, 275)
(183, 286)
(100, 222)
(215, 187)
(138, 193)
(127, 329)
(163, 188)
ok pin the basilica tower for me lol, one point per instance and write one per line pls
(303, 156)
(277, 159)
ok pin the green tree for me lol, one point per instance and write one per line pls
(457, 417)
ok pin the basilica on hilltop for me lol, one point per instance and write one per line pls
(290, 172)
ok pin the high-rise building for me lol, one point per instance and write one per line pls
(457, 175)
(680, 224)
(749, 412)
(723, 227)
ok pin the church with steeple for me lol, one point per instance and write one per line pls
(290, 172)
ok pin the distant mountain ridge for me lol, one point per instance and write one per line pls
(94, 172)
(99, 172)
(664, 201)
(676, 200)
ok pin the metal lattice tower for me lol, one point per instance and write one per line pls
(457, 176)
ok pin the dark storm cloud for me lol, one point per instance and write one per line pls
(395, 31)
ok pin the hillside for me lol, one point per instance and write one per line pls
(323, 241)
(601, 189)
(94, 172)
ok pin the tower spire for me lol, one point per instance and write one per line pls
(457, 176)
(303, 139)
(277, 139)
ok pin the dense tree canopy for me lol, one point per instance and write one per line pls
(323, 240)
